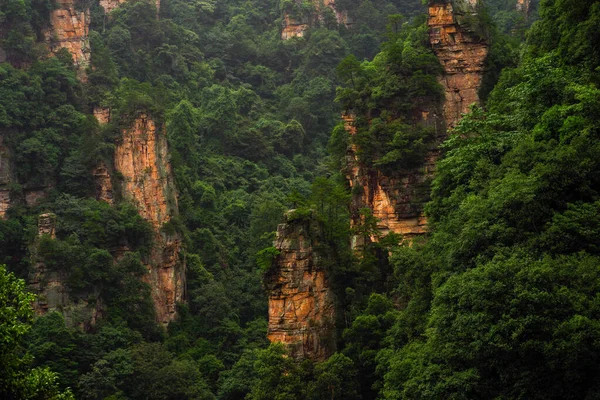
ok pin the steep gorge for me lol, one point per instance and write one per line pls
(397, 200)
(142, 160)
(298, 290)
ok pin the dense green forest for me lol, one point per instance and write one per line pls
(497, 301)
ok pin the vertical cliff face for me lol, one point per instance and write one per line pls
(69, 29)
(396, 201)
(461, 46)
(103, 183)
(301, 302)
(141, 158)
(296, 26)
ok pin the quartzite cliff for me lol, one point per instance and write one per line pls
(397, 200)
(142, 159)
(301, 309)
(301, 302)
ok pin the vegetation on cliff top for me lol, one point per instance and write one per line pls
(500, 301)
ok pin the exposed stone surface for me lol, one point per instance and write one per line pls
(69, 29)
(142, 159)
(301, 303)
(141, 156)
(102, 114)
(461, 46)
(52, 293)
(293, 27)
(103, 183)
(396, 201)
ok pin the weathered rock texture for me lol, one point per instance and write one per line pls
(460, 43)
(295, 27)
(69, 29)
(142, 159)
(301, 302)
(397, 200)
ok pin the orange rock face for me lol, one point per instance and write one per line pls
(141, 158)
(69, 29)
(462, 52)
(301, 303)
(294, 28)
(397, 202)
(110, 5)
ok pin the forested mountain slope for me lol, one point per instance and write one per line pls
(148, 152)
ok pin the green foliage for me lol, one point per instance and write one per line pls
(19, 379)
(384, 94)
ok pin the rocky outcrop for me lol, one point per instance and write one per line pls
(142, 160)
(460, 43)
(301, 302)
(103, 183)
(397, 200)
(524, 6)
(69, 29)
(292, 28)
(295, 26)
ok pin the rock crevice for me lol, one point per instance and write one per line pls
(301, 301)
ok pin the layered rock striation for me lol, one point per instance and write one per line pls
(397, 198)
(142, 160)
(301, 301)
(69, 29)
(461, 45)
